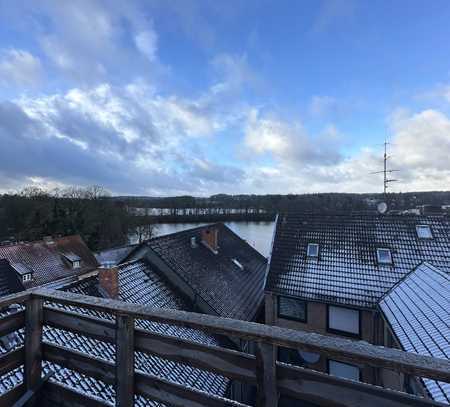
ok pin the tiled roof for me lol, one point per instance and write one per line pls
(47, 259)
(418, 312)
(231, 291)
(115, 255)
(141, 285)
(346, 271)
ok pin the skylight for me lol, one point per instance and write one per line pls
(313, 250)
(424, 232)
(384, 256)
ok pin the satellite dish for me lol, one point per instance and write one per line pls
(382, 207)
(309, 357)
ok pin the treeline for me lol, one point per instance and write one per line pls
(335, 202)
(34, 213)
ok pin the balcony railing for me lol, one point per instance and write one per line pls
(271, 378)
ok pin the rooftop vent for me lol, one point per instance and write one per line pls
(48, 240)
(193, 242)
(238, 263)
(424, 232)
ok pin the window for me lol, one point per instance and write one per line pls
(344, 321)
(313, 250)
(424, 232)
(292, 308)
(384, 256)
(344, 370)
(76, 264)
(26, 277)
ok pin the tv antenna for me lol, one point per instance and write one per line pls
(386, 171)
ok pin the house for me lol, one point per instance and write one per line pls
(40, 263)
(327, 274)
(135, 282)
(216, 270)
(417, 316)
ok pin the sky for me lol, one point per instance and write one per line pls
(202, 97)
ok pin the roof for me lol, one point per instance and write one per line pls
(115, 255)
(418, 312)
(346, 271)
(231, 291)
(47, 259)
(139, 284)
(9, 283)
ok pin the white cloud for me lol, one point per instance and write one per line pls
(20, 67)
(147, 43)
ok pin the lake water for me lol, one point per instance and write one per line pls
(257, 234)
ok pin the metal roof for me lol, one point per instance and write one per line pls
(418, 312)
(346, 270)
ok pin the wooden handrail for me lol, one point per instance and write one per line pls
(343, 349)
(271, 377)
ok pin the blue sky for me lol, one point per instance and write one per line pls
(202, 97)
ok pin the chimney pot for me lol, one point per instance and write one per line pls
(108, 279)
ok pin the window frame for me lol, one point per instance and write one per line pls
(384, 263)
(422, 237)
(27, 277)
(344, 333)
(292, 318)
(307, 251)
(344, 363)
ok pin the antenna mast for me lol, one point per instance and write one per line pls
(386, 171)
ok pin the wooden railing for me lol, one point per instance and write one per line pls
(271, 378)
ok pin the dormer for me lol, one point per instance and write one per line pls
(24, 273)
(73, 259)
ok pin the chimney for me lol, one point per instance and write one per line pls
(108, 279)
(210, 239)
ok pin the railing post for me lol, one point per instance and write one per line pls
(33, 344)
(124, 360)
(266, 378)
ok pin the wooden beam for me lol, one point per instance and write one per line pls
(33, 344)
(85, 325)
(124, 360)
(11, 396)
(333, 347)
(17, 298)
(12, 360)
(177, 395)
(12, 323)
(325, 390)
(80, 362)
(226, 362)
(60, 395)
(266, 379)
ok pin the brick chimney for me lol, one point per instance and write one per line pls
(108, 279)
(210, 239)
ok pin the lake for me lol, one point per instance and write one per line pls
(257, 234)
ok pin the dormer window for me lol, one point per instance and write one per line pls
(424, 232)
(76, 264)
(26, 277)
(73, 259)
(313, 250)
(384, 256)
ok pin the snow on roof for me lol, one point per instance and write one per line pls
(418, 312)
(347, 271)
(45, 259)
(231, 290)
(139, 284)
